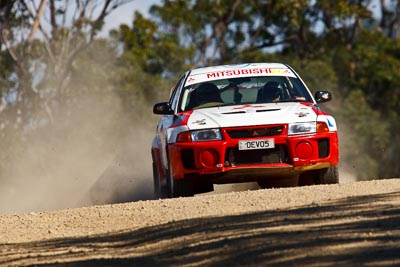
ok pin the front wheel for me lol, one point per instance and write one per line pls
(327, 176)
(179, 187)
(159, 190)
(323, 176)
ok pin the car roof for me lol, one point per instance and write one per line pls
(237, 66)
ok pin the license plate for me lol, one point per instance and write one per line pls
(256, 144)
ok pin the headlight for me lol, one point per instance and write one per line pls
(206, 135)
(302, 128)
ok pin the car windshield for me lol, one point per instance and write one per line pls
(244, 90)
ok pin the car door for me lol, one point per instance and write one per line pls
(167, 120)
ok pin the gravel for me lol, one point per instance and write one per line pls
(94, 220)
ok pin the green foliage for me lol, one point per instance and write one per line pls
(153, 51)
(377, 73)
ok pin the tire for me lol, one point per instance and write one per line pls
(327, 176)
(322, 176)
(179, 188)
(159, 191)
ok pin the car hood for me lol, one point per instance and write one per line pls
(250, 114)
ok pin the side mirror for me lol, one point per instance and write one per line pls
(162, 108)
(323, 96)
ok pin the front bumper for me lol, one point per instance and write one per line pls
(223, 162)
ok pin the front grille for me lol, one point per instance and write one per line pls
(255, 132)
(236, 157)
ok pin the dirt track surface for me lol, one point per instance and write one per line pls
(332, 225)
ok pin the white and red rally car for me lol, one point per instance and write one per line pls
(242, 123)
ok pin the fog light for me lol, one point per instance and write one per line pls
(209, 157)
(304, 150)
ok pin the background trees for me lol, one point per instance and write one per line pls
(55, 70)
(350, 47)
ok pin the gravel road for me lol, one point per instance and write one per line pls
(352, 224)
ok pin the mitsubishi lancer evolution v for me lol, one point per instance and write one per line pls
(242, 123)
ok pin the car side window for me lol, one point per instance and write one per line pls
(173, 102)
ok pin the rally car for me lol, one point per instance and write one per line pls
(242, 123)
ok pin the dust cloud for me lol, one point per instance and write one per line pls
(347, 172)
(102, 156)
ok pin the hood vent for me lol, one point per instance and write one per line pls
(258, 110)
(234, 112)
(265, 110)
